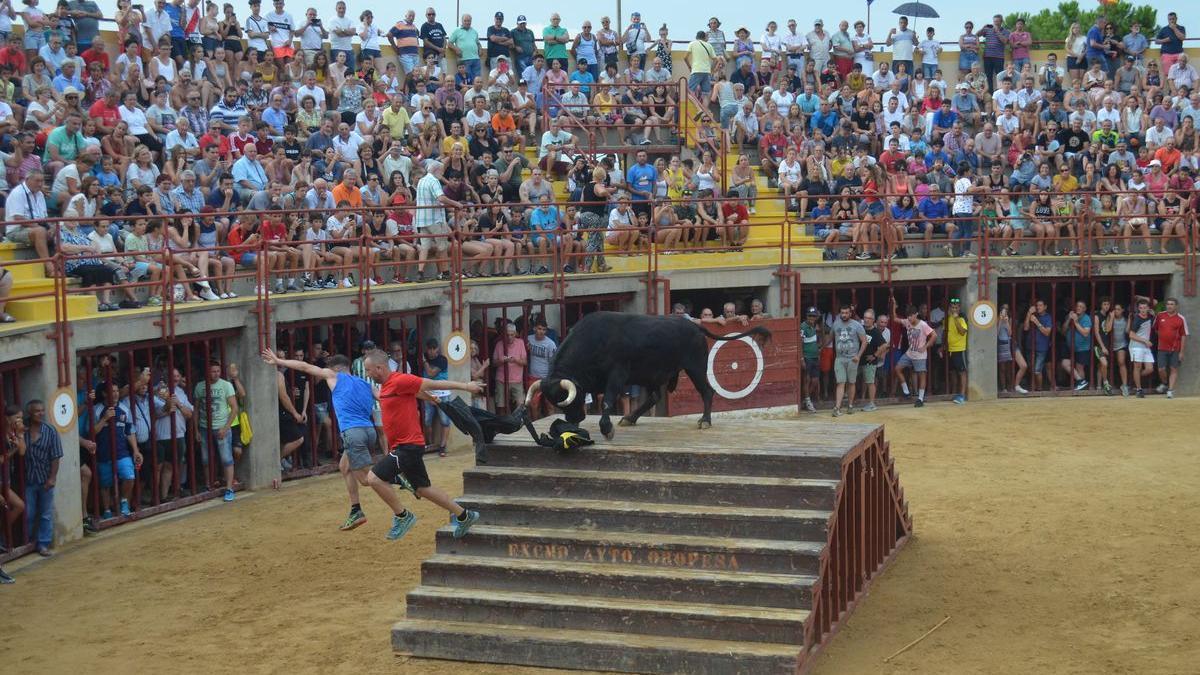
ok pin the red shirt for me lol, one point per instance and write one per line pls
(14, 58)
(398, 401)
(94, 54)
(108, 115)
(272, 230)
(736, 209)
(236, 144)
(235, 237)
(1171, 329)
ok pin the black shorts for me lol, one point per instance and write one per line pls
(958, 362)
(289, 429)
(165, 454)
(403, 459)
(233, 46)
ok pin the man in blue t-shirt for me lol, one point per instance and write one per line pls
(934, 212)
(543, 221)
(1095, 45)
(353, 405)
(1078, 329)
(1170, 40)
(640, 179)
(1039, 322)
(116, 447)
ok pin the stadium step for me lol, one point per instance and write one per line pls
(806, 455)
(668, 488)
(721, 587)
(42, 309)
(643, 517)
(590, 649)
(554, 611)
(667, 550)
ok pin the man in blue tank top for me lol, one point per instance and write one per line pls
(353, 403)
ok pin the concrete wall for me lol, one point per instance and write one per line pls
(261, 466)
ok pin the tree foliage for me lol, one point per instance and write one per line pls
(1053, 25)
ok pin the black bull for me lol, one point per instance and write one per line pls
(609, 351)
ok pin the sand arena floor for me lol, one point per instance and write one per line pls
(1059, 535)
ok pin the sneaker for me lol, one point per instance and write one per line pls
(1124, 390)
(401, 526)
(223, 296)
(949, 250)
(231, 294)
(355, 519)
(285, 464)
(1162, 389)
(1081, 385)
(291, 286)
(1170, 393)
(329, 283)
(808, 405)
(849, 410)
(461, 526)
(6, 578)
(129, 304)
(278, 287)
(106, 515)
(228, 495)
(863, 256)
(89, 525)
(310, 285)
(1020, 390)
(45, 552)
(959, 399)
(919, 404)
(968, 254)
(1141, 393)
(1108, 390)
(569, 269)
(905, 395)
(837, 412)
(154, 301)
(543, 270)
(372, 282)
(870, 407)
(125, 508)
(208, 294)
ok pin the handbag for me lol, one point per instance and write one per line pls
(245, 432)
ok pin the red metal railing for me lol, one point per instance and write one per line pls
(869, 524)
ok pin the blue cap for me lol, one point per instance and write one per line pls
(520, 18)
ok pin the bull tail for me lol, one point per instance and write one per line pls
(761, 334)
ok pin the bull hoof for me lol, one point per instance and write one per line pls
(606, 428)
(626, 422)
(704, 424)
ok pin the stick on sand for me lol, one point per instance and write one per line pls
(914, 642)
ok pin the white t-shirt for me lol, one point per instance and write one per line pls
(136, 119)
(790, 172)
(258, 25)
(373, 37)
(903, 43)
(964, 202)
(616, 219)
(317, 93)
(341, 23)
(929, 50)
(282, 26)
(348, 147)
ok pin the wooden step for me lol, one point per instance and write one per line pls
(590, 649)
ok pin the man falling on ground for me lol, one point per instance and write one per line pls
(398, 395)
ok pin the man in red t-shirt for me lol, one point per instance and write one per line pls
(737, 222)
(106, 111)
(1172, 332)
(402, 427)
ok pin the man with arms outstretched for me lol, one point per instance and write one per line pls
(398, 395)
(353, 402)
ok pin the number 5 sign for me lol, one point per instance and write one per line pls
(62, 410)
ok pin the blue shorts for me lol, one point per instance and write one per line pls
(140, 271)
(1039, 361)
(368, 53)
(917, 365)
(124, 471)
(431, 410)
(247, 259)
(408, 62)
(536, 238)
(224, 447)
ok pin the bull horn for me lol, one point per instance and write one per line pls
(572, 392)
(533, 390)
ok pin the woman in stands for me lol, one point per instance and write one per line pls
(492, 228)
(743, 182)
(667, 228)
(662, 112)
(1173, 212)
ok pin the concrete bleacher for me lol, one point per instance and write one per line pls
(30, 278)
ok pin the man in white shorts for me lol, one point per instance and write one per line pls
(1140, 353)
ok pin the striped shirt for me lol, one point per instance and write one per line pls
(429, 189)
(228, 114)
(41, 454)
(405, 37)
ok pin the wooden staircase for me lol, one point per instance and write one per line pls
(668, 550)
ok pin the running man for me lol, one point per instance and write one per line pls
(398, 395)
(353, 404)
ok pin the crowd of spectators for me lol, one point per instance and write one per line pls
(208, 141)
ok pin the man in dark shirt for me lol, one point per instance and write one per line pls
(433, 37)
(864, 123)
(499, 40)
(1073, 140)
(877, 348)
(317, 142)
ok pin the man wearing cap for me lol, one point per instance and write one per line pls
(635, 39)
(524, 44)
(819, 44)
(499, 41)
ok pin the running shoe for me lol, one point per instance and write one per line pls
(461, 526)
(808, 405)
(228, 495)
(106, 515)
(125, 512)
(870, 407)
(355, 519)
(402, 481)
(959, 399)
(1162, 389)
(1170, 393)
(1125, 390)
(6, 578)
(919, 404)
(1141, 393)
(401, 526)
(849, 410)
(1020, 390)
(1108, 390)
(45, 552)
(1081, 385)
(89, 526)
(837, 412)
